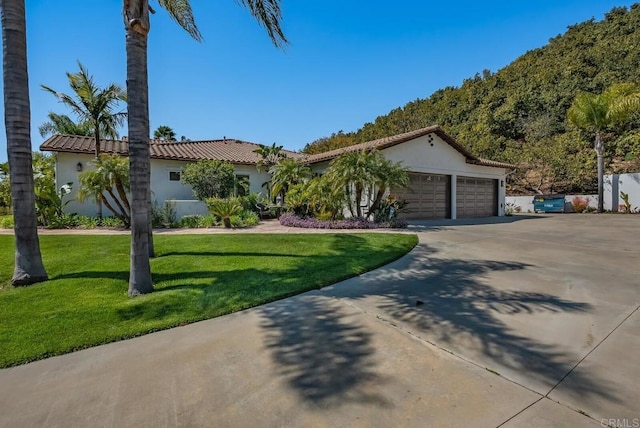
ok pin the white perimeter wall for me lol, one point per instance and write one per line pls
(613, 185)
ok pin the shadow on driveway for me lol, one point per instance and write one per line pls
(326, 356)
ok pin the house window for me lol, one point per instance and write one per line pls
(242, 185)
(174, 175)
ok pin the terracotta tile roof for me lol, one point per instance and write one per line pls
(241, 152)
(384, 143)
(228, 150)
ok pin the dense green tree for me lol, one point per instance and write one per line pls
(28, 267)
(94, 106)
(164, 133)
(209, 179)
(63, 124)
(598, 112)
(137, 26)
(492, 114)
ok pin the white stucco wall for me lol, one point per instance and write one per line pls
(66, 172)
(162, 188)
(627, 183)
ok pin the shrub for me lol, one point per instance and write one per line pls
(292, 220)
(388, 209)
(191, 221)
(164, 216)
(249, 218)
(6, 222)
(626, 207)
(86, 222)
(111, 222)
(224, 209)
(579, 204)
(244, 219)
(64, 221)
(208, 221)
(510, 208)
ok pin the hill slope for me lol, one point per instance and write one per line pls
(518, 114)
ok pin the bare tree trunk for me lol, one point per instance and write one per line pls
(136, 15)
(17, 118)
(600, 153)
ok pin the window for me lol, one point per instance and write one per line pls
(174, 175)
(242, 185)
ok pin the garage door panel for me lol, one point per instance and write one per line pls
(476, 197)
(427, 196)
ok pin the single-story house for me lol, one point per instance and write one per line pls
(447, 181)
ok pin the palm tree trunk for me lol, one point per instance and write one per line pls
(17, 117)
(599, 147)
(137, 24)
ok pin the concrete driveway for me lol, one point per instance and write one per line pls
(522, 322)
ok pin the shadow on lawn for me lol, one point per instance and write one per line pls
(223, 254)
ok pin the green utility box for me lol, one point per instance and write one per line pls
(548, 203)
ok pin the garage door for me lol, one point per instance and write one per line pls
(428, 196)
(476, 197)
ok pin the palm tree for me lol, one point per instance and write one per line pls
(164, 133)
(136, 21)
(93, 105)
(288, 172)
(28, 268)
(110, 177)
(269, 156)
(598, 112)
(354, 172)
(63, 124)
(386, 175)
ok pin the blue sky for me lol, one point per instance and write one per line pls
(348, 62)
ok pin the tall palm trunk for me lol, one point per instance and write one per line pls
(136, 13)
(599, 147)
(17, 117)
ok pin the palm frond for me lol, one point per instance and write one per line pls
(268, 15)
(181, 12)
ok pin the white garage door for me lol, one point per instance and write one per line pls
(476, 197)
(428, 196)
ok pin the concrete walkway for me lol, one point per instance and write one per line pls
(524, 322)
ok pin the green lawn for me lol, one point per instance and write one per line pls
(196, 277)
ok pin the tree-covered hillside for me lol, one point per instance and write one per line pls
(519, 114)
